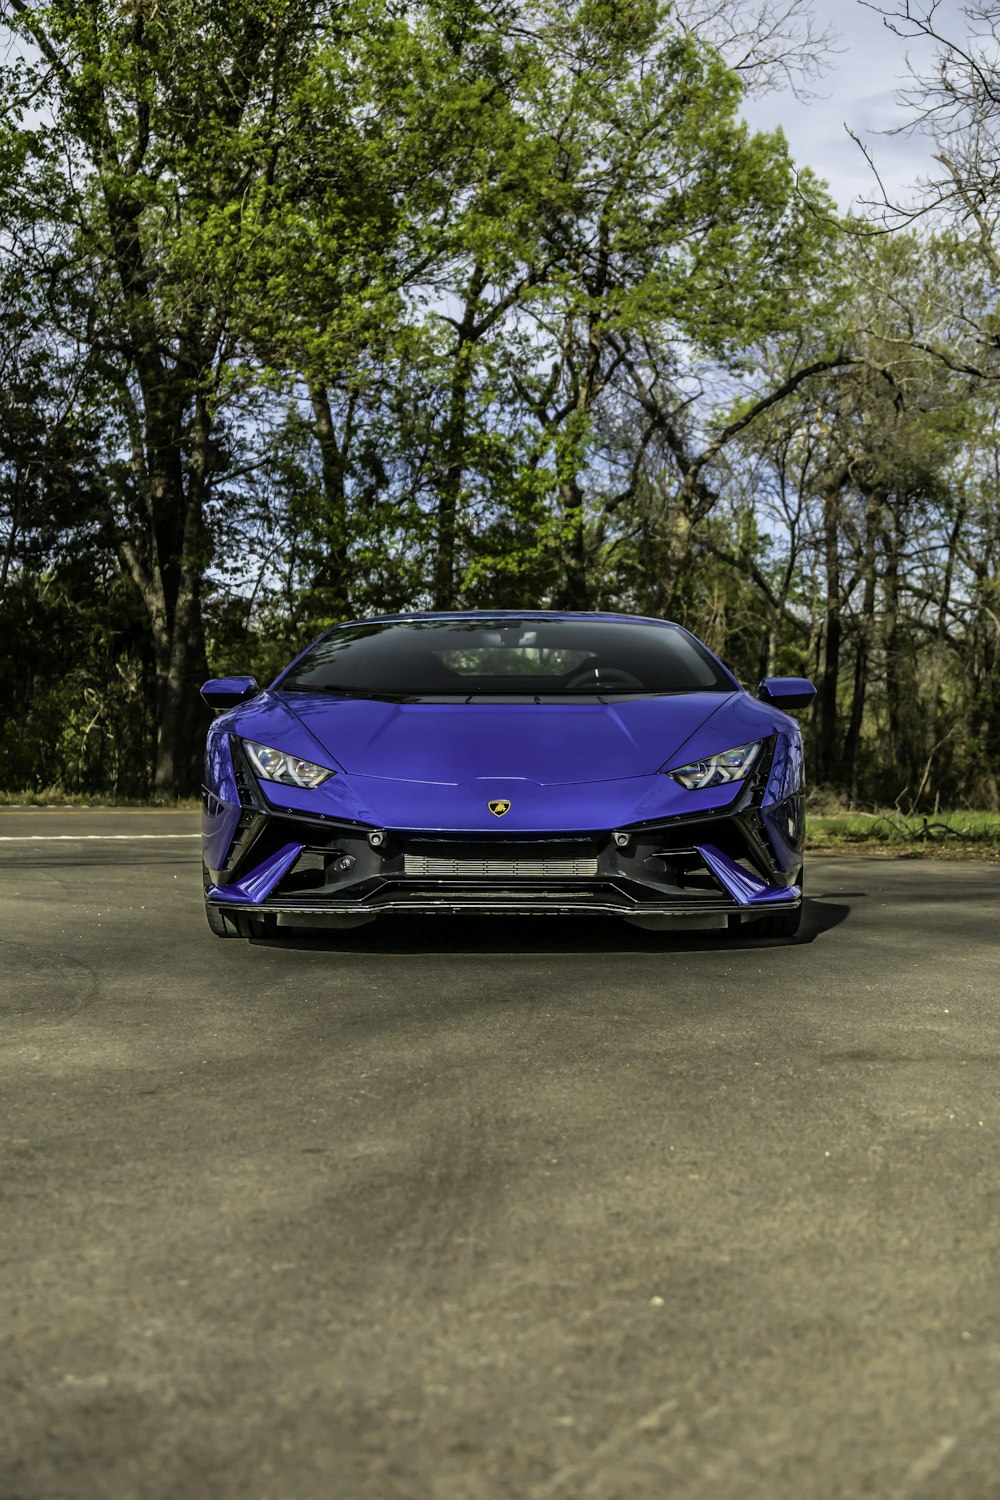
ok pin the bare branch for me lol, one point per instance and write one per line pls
(772, 44)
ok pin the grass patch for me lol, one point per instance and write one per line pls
(960, 834)
(54, 796)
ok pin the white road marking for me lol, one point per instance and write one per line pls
(85, 838)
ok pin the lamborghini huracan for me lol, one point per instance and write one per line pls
(504, 762)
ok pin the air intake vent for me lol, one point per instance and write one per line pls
(245, 788)
(442, 866)
(245, 830)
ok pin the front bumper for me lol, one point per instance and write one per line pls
(704, 869)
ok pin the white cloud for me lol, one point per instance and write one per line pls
(859, 93)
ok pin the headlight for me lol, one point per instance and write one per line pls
(717, 770)
(290, 770)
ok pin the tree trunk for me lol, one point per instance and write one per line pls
(11, 542)
(177, 689)
(896, 753)
(935, 739)
(575, 593)
(826, 697)
(332, 576)
(168, 576)
(862, 650)
(444, 583)
(450, 487)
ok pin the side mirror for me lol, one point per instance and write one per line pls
(786, 692)
(227, 692)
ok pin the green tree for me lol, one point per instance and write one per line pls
(149, 133)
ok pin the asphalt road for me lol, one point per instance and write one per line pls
(532, 1210)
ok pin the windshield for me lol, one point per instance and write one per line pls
(507, 657)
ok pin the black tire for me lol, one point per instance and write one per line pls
(240, 924)
(779, 924)
(223, 925)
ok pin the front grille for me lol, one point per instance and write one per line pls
(515, 868)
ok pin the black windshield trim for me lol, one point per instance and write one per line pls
(487, 696)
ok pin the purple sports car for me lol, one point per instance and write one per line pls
(509, 762)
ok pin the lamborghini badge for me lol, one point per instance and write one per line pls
(498, 808)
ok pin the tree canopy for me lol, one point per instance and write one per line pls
(318, 310)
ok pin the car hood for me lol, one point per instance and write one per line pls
(450, 743)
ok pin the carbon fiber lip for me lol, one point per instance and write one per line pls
(508, 906)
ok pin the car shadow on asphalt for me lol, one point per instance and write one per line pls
(518, 935)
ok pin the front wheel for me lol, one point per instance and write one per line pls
(221, 923)
(240, 924)
(778, 924)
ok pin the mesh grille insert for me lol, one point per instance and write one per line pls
(510, 868)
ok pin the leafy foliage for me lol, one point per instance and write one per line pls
(317, 310)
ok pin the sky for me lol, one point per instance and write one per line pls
(859, 91)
